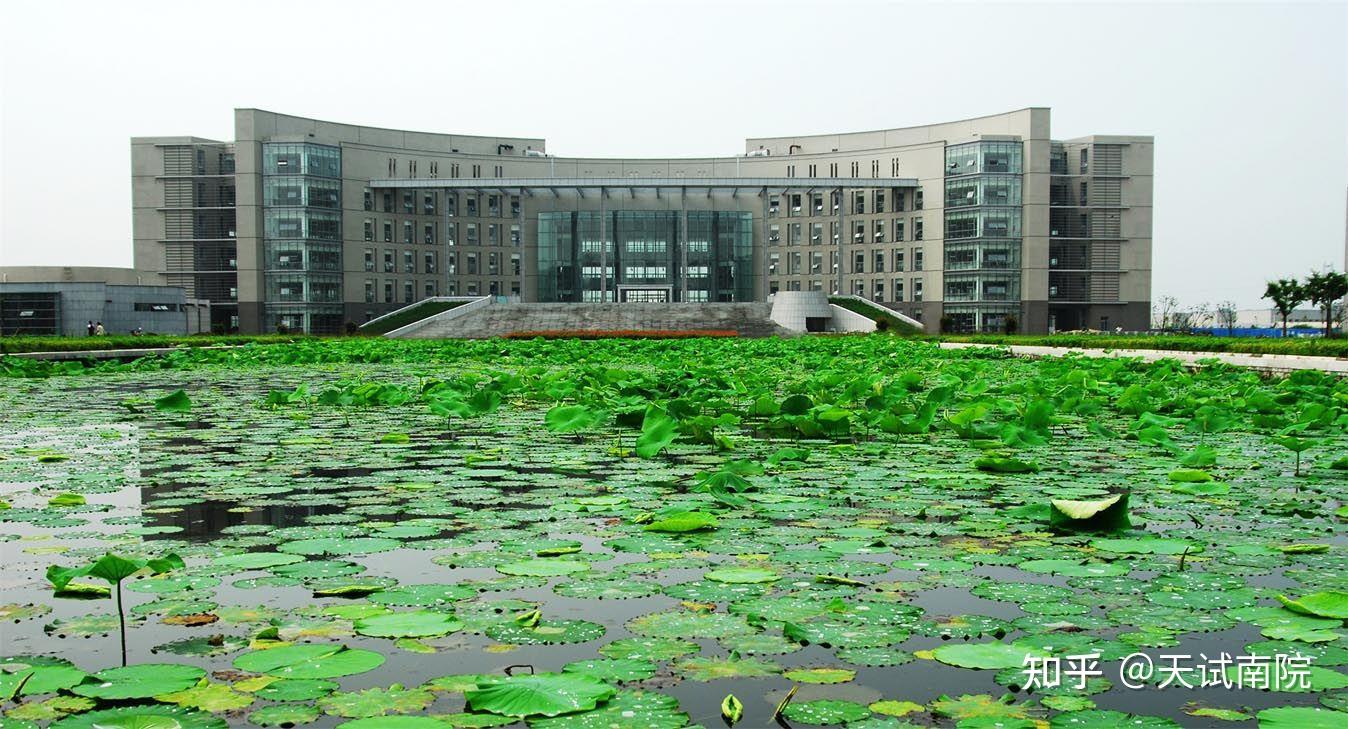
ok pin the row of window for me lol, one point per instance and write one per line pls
(875, 231)
(799, 204)
(982, 157)
(301, 159)
(878, 259)
(430, 233)
(492, 263)
(429, 288)
(857, 287)
(428, 202)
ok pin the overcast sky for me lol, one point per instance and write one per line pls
(1248, 102)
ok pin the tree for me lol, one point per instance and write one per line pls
(1164, 312)
(1285, 293)
(1226, 315)
(1323, 288)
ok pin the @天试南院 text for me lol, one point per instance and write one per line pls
(1140, 670)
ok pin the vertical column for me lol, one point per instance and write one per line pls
(683, 243)
(842, 236)
(519, 220)
(603, 248)
(761, 257)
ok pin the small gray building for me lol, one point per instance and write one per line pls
(62, 300)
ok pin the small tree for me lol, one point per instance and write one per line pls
(1285, 293)
(1323, 289)
(1226, 315)
(1164, 312)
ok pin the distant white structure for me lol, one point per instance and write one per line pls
(1270, 318)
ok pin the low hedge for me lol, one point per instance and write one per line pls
(1306, 346)
(623, 334)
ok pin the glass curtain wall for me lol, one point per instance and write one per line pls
(637, 256)
(302, 237)
(982, 235)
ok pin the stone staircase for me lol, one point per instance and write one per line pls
(500, 319)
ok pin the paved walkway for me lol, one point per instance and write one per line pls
(1265, 362)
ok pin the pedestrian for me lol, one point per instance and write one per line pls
(91, 328)
(98, 330)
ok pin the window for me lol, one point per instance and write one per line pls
(429, 233)
(514, 205)
(408, 291)
(1084, 199)
(774, 205)
(428, 203)
(816, 233)
(515, 264)
(816, 263)
(369, 202)
(430, 289)
(793, 234)
(388, 261)
(917, 229)
(493, 264)
(408, 265)
(388, 201)
(430, 262)
(388, 292)
(388, 231)
(407, 202)
(451, 233)
(878, 289)
(859, 231)
(452, 264)
(472, 234)
(879, 262)
(817, 200)
(369, 229)
(515, 235)
(472, 264)
(774, 259)
(451, 203)
(859, 203)
(369, 259)
(898, 230)
(1085, 165)
(917, 199)
(472, 204)
(407, 231)
(494, 206)
(774, 234)
(917, 289)
(493, 234)
(898, 289)
(879, 201)
(917, 259)
(859, 262)
(878, 231)
(369, 291)
(795, 204)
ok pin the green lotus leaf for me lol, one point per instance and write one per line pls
(309, 661)
(416, 624)
(541, 694)
(1327, 604)
(140, 681)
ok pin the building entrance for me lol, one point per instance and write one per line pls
(645, 294)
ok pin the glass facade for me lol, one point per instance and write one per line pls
(302, 237)
(982, 236)
(635, 255)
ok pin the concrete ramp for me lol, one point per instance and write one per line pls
(501, 319)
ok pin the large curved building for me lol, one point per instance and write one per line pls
(973, 225)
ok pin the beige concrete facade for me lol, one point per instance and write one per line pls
(1043, 258)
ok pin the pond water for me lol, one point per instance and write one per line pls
(871, 552)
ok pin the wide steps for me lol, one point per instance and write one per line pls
(498, 320)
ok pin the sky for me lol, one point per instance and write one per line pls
(1248, 102)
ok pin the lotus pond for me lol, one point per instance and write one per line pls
(845, 531)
